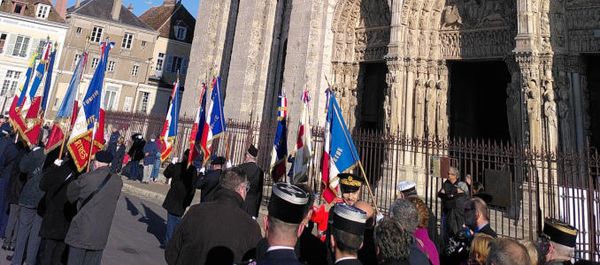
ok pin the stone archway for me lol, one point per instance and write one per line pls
(361, 30)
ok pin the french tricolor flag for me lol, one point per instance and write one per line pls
(169, 131)
(214, 123)
(339, 152)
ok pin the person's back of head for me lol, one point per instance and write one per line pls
(405, 212)
(234, 180)
(287, 209)
(504, 251)
(392, 241)
(422, 211)
(534, 255)
(480, 248)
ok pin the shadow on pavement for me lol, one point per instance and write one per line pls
(156, 224)
(131, 208)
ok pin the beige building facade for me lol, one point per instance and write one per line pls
(24, 29)
(126, 86)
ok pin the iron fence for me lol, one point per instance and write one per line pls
(528, 185)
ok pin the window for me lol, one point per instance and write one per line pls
(111, 66)
(76, 59)
(96, 34)
(135, 70)
(160, 61)
(127, 40)
(78, 30)
(143, 43)
(2, 42)
(43, 11)
(40, 47)
(10, 83)
(19, 8)
(110, 100)
(21, 46)
(143, 102)
(127, 104)
(180, 32)
(174, 64)
(95, 62)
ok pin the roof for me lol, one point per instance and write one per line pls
(30, 9)
(166, 16)
(102, 9)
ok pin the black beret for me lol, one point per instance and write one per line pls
(253, 151)
(288, 203)
(104, 157)
(219, 160)
(560, 232)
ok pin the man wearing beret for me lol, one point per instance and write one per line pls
(347, 229)
(256, 177)
(562, 236)
(208, 183)
(287, 209)
(95, 194)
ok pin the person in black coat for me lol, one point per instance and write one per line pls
(256, 178)
(180, 193)
(217, 232)
(15, 186)
(136, 153)
(113, 141)
(58, 211)
(8, 155)
(117, 162)
(209, 182)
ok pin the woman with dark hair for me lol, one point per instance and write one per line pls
(392, 242)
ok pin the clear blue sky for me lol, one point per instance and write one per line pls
(139, 6)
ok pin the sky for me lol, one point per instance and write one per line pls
(139, 6)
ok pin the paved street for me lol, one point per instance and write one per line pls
(135, 236)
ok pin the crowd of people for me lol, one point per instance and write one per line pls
(53, 214)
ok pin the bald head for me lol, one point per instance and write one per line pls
(504, 251)
(365, 206)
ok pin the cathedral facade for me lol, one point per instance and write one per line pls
(522, 71)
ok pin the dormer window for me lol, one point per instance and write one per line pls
(180, 32)
(19, 8)
(42, 11)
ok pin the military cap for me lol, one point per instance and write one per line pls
(407, 187)
(349, 182)
(288, 203)
(560, 232)
(219, 160)
(6, 129)
(349, 219)
(253, 151)
(104, 156)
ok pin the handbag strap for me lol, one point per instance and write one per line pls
(89, 197)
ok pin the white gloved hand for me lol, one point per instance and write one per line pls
(379, 217)
(202, 170)
(58, 162)
(228, 164)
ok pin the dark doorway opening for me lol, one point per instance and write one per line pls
(478, 100)
(371, 113)
(593, 90)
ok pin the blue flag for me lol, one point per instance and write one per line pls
(48, 80)
(66, 107)
(92, 100)
(217, 117)
(342, 151)
(279, 153)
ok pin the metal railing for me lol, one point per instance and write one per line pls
(539, 184)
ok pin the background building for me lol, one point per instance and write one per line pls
(126, 86)
(25, 26)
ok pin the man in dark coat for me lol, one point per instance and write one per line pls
(477, 217)
(150, 150)
(117, 162)
(287, 209)
(15, 185)
(136, 153)
(8, 155)
(96, 194)
(347, 230)
(180, 193)
(217, 232)
(256, 177)
(28, 239)
(58, 211)
(113, 141)
(209, 182)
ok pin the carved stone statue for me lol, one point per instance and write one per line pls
(419, 113)
(550, 114)
(533, 113)
(451, 18)
(430, 100)
(441, 105)
(564, 115)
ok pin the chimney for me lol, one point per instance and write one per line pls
(61, 8)
(116, 10)
(77, 3)
(130, 7)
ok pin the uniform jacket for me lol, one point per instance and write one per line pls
(8, 155)
(208, 184)
(59, 211)
(136, 152)
(488, 231)
(17, 178)
(151, 148)
(182, 189)
(217, 232)
(32, 164)
(256, 178)
(280, 256)
(349, 262)
(90, 227)
(112, 142)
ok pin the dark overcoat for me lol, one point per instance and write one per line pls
(217, 232)
(208, 184)
(182, 189)
(256, 178)
(58, 210)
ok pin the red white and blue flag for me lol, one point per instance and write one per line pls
(87, 136)
(279, 154)
(214, 123)
(303, 152)
(169, 131)
(194, 135)
(339, 153)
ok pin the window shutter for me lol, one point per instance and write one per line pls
(169, 63)
(10, 41)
